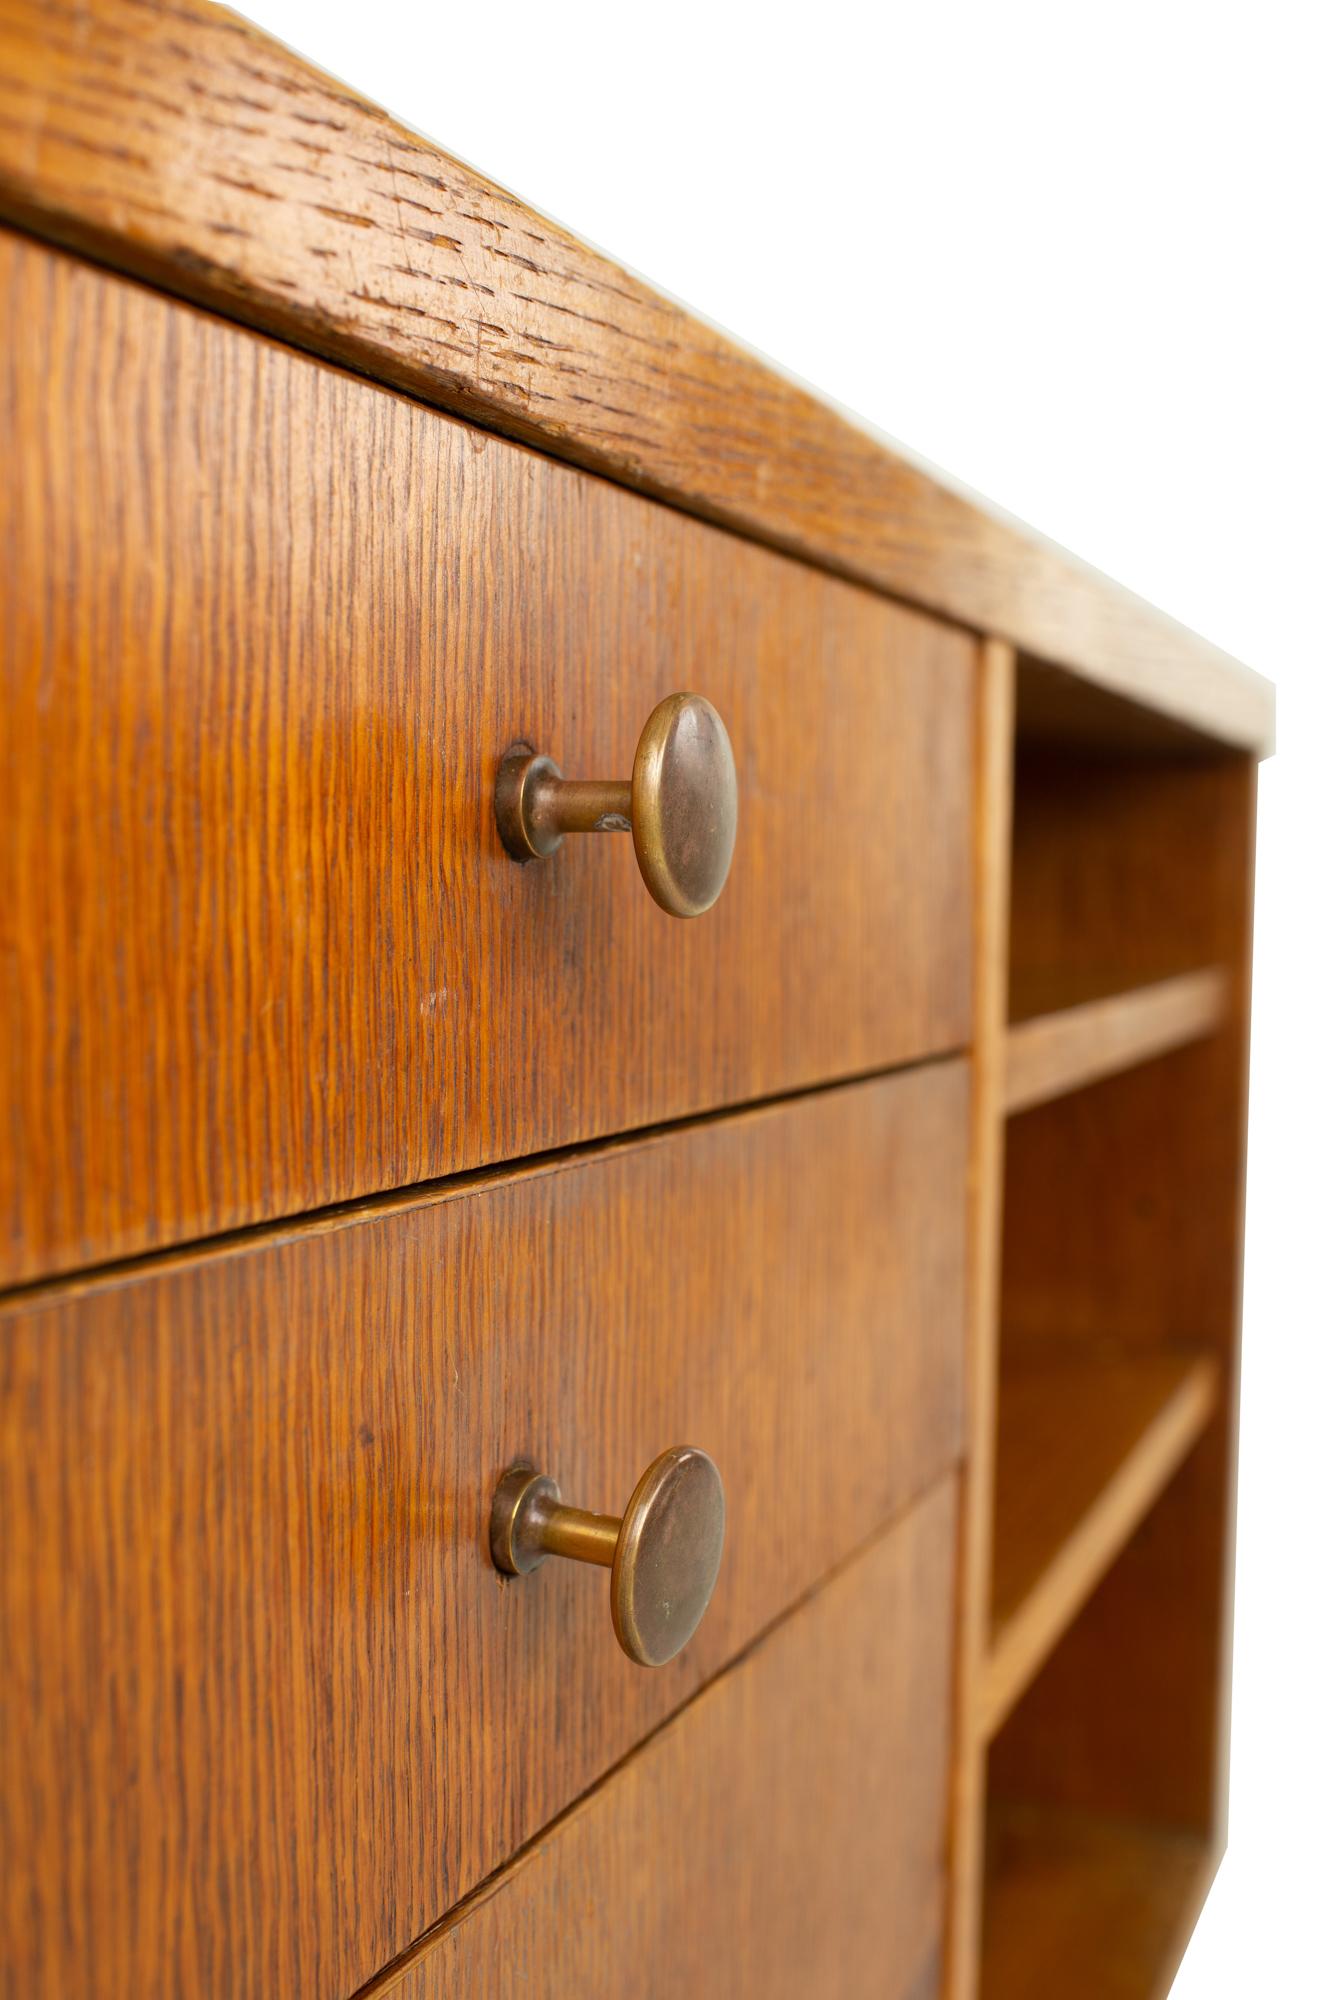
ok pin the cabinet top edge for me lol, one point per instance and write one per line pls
(179, 143)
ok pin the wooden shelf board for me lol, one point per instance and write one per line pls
(1086, 1444)
(1075, 1903)
(1058, 1052)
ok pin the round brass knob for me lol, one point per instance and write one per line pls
(680, 804)
(663, 1553)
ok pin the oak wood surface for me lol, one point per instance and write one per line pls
(1132, 863)
(783, 1836)
(1078, 1903)
(992, 832)
(1126, 872)
(268, 1711)
(1124, 1209)
(1057, 709)
(1054, 1053)
(265, 633)
(1086, 1444)
(175, 140)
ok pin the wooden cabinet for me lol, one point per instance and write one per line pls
(832, 1737)
(348, 1165)
(1104, 1375)
(246, 1498)
(259, 680)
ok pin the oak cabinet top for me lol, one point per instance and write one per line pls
(178, 142)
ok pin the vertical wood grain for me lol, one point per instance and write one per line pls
(1126, 872)
(992, 812)
(176, 140)
(784, 1836)
(266, 1709)
(1123, 1233)
(265, 632)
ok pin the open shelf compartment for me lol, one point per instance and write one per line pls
(1124, 875)
(1086, 1903)
(1051, 1054)
(1101, 1816)
(1087, 1441)
(1112, 1045)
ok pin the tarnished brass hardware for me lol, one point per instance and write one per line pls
(680, 804)
(663, 1554)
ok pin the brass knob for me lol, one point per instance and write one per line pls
(663, 1554)
(680, 804)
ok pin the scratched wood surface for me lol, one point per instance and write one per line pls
(265, 632)
(178, 141)
(267, 1711)
(783, 1837)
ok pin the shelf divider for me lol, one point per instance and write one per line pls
(1054, 1053)
(1085, 1446)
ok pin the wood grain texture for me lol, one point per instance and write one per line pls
(1086, 1445)
(266, 631)
(175, 140)
(1128, 1713)
(268, 1710)
(1056, 709)
(1054, 1053)
(783, 1836)
(1123, 1230)
(1122, 1211)
(1126, 872)
(1077, 1903)
(992, 815)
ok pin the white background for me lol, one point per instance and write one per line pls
(1079, 256)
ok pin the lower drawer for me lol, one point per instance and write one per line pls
(784, 1836)
(267, 1711)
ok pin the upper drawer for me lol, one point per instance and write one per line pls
(267, 631)
(266, 1708)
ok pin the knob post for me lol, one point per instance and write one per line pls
(680, 804)
(588, 1538)
(663, 1554)
(582, 805)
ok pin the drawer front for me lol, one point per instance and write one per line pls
(785, 1835)
(268, 1709)
(267, 632)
